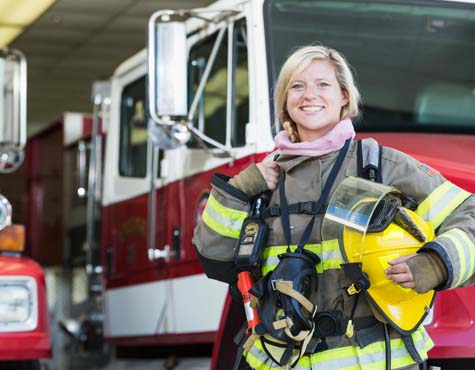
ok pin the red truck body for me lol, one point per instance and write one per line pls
(32, 344)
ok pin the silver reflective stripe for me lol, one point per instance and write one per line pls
(302, 367)
(331, 256)
(464, 256)
(370, 152)
(380, 357)
(261, 357)
(371, 357)
(230, 223)
(440, 204)
(327, 255)
(337, 363)
(425, 343)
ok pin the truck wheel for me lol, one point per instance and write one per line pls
(20, 365)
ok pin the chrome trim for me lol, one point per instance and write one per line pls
(32, 322)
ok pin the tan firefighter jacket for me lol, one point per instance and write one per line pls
(449, 208)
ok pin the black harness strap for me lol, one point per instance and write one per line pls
(321, 201)
(411, 348)
(308, 208)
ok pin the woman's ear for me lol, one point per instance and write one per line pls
(346, 98)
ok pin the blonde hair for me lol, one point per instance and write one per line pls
(300, 60)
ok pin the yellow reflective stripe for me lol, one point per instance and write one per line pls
(329, 265)
(258, 359)
(371, 357)
(230, 213)
(328, 251)
(223, 220)
(441, 202)
(465, 249)
(220, 229)
(470, 262)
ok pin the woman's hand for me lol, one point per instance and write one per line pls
(400, 273)
(270, 172)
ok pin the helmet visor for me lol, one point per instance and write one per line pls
(357, 207)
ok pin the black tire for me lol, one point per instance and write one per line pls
(20, 365)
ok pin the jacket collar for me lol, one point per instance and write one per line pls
(288, 162)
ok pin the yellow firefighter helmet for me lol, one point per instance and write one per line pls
(372, 228)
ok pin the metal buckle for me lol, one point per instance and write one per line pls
(272, 283)
(352, 289)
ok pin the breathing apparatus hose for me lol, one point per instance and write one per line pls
(387, 341)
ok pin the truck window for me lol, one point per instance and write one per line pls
(210, 116)
(413, 61)
(241, 85)
(133, 130)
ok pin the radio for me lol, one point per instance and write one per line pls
(253, 237)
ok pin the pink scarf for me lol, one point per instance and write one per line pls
(331, 141)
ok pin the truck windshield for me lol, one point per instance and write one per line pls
(413, 62)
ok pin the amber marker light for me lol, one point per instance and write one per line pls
(12, 238)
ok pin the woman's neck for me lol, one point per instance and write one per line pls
(333, 140)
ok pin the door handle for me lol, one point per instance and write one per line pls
(156, 254)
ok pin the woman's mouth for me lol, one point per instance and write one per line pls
(311, 108)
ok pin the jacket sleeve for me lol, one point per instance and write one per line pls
(216, 236)
(449, 208)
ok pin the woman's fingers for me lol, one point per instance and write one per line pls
(401, 259)
(400, 273)
(270, 172)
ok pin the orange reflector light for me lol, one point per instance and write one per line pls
(12, 238)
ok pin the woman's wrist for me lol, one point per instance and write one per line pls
(249, 181)
(428, 270)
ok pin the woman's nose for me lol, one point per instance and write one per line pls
(310, 91)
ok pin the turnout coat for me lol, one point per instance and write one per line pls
(450, 209)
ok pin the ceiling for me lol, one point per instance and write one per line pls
(76, 42)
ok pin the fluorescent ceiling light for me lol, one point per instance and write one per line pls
(15, 15)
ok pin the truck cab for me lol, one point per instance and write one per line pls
(24, 322)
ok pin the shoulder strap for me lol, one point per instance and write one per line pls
(369, 159)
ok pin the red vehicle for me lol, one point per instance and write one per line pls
(24, 321)
(24, 327)
(54, 202)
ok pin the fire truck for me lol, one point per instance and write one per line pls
(201, 101)
(210, 86)
(24, 320)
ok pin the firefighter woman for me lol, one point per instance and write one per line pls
(312, 315)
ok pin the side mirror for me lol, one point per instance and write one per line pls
(5, 212)
(12, 109)
(167, 70)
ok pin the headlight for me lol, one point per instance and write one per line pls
(18, 304)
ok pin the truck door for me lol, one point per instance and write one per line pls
(128, 218)
(222, 115)
(137, 294)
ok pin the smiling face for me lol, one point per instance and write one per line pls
(315, 100)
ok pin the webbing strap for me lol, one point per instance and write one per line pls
(308, 208)
(284, 208)
(321, 201)
(411, 348)
(286, 288)
(369, 160)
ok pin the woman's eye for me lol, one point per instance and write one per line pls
(297, 86)
(323, 84)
